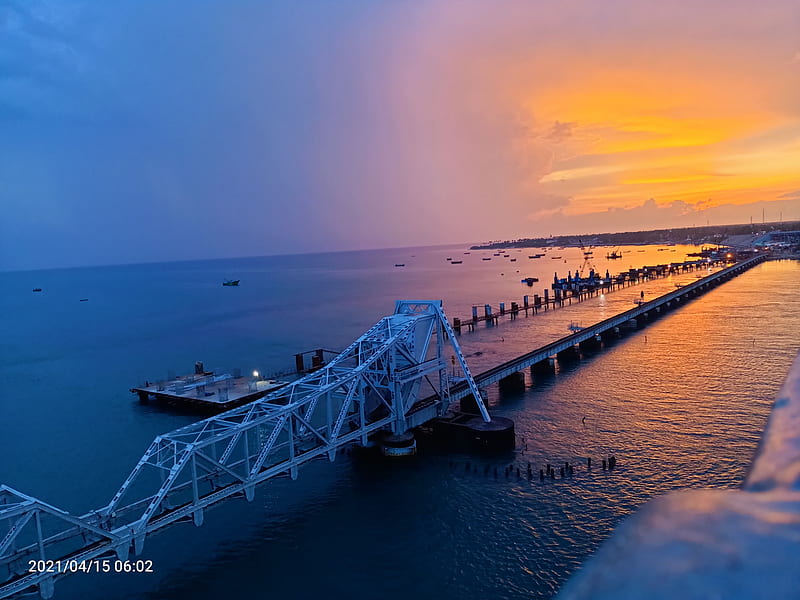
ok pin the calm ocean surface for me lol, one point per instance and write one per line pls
(680, 403)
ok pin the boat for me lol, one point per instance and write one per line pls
(37, 289)
(513, 260)
(467, 252)
(555, 257)
(529, 280)
(487, 258)
(456, 262)
(399, 264)
(231, 282)
(574, 327)
(614, 255)
(448, 258)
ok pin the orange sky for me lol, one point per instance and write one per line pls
(296, 127)
(564, 111)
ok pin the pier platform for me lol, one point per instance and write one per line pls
(208, 391)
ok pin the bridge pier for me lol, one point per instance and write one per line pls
(570, 354)
(543, 367)
(468, 404)
(590, 345)
(610, 334)
(399, 444)
(631, 324)
(512, 384)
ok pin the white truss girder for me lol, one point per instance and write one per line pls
(372, 385)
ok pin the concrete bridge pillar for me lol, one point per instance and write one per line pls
(543, 367)
(570, 354)
(610, 334)
(513, 384)
(590, 345)
(468, 404)
(631, 324)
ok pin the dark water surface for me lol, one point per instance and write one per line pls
(680, 403)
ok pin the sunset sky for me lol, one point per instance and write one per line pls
(134, 132)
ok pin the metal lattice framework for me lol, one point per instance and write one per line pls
(375, 384)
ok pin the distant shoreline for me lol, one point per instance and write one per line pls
(710, 234)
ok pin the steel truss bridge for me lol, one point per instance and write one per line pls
(375, 384)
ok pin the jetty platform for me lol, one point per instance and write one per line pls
(208, 390)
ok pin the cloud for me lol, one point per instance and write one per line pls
(560, 131)
(651, 214)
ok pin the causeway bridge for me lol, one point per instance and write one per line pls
(391, 379)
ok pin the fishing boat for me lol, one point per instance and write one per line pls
(555, 257)
(456, 262)
(37, 289)
(399, 264)
(487, 258)
(231, 282)
(529, 280)
(614, 255)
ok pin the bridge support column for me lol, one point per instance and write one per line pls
(543, 367)
(631, 324)
(399, 444)
(610, 334)
(590, 345)
(513, 384)
(468, 404)
(568, 355)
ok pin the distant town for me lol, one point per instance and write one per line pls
(731, 235)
